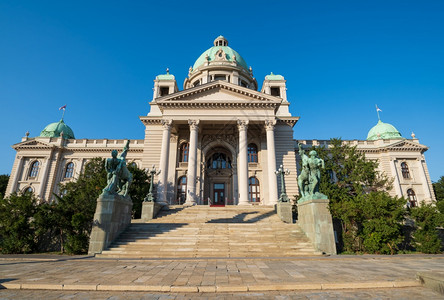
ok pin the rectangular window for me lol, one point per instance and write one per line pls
(164, 91)
(275, 91)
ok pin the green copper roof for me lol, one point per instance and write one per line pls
(383, 131)
(166, 76)
(274, 77)
(211, 55)
(54, 130)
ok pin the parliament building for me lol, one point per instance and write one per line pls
(219, 140)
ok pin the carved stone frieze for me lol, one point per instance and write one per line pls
(229, 138)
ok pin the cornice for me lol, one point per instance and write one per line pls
(291, 121)
(151, 120)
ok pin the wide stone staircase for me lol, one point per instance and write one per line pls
(202, 231)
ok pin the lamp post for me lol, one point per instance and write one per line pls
(150, 196)
(283, 197)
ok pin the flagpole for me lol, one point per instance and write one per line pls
(377, 111)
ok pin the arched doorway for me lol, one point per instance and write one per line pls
(218, 181)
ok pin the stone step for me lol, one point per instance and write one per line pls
(202, 231)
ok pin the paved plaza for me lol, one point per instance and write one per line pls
(393, 293)
(268, 278)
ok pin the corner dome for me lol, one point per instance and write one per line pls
(220, 43)
(383, 131)
(55, 129)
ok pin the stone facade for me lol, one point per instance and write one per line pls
(218, 141)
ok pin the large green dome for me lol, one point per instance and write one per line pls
(55, 129)
(220, 43)
(383, 131)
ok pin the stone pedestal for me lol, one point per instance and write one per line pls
(284, 211)
(113, 215)
(151, 209)
(315, 220)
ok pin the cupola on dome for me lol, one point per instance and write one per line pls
(220, 51)
(383, 131)
(55, 130)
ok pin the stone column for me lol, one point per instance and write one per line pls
(425, 182)
(243, 163)
(235, 184)
(163, 165)
(271, 156)
(44, 180)
(18, 172)
(192, 163)
(395, 173)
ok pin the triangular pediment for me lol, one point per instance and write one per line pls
(32, 144)
(218, 92)
(406, 145)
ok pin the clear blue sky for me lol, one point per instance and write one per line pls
(339, 58)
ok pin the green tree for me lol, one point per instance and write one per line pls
(73, 212)
(382, 218)
(17, 225)
(3, 184)
(359, 196)
(138, 189)
(438, 188)
(427, 217)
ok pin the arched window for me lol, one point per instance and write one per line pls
(254, 194)
(412, 198)
(28, 189)
(181, 189)
(219, 161)
(184, 152)
(69, 172)
(252, 153)
(34, 171)
(405, 170)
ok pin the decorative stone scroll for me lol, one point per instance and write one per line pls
(194, 124)
(242, 125)
(269, 124)
(166, 124)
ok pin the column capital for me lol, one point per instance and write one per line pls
(194, 124)
(269, 124)
(242, 125)
(166, 123)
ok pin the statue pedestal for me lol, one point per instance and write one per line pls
(315, 220)
(113, 215)
(284, 211)
(151, 209)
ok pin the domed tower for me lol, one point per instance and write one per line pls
(383, 131)
(220, 62)
(56, 129)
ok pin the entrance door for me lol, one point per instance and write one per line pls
(219, 193)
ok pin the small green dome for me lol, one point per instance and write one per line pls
(274, 77)
(220, 43)
(54, 130)
(383, 131)
(166, 76)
